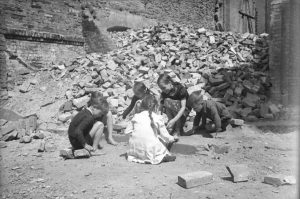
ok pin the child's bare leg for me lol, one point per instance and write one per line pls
(96, 133)
(110, 139)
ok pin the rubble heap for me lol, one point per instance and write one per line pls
(230, 67)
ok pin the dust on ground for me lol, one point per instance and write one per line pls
(25, 173)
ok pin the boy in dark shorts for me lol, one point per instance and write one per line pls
(87, 126)
(215, 111)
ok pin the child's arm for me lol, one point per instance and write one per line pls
(216, 118)
(179, 114)
(110, 129)
(162, 130)
(129, 128)
(130, 107)
(197, 120)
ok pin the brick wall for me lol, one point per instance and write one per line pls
(39, 54)
(284, 51)
(53, 16)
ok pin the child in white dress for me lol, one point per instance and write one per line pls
(149, 137)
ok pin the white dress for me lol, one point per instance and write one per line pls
(147, 145)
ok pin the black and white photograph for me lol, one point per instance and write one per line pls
(149, 99)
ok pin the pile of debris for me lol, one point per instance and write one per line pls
(231, 67)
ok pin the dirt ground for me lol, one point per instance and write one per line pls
(25, 173)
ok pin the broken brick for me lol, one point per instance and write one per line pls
(239, 172)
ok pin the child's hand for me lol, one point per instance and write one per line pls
(171, 123)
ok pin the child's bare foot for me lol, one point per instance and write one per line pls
(112, 142)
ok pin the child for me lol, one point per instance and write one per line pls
(87, 126)
(215, 111)
(173, 102)
(149, 136)
(139, 90)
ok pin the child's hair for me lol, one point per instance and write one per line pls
(149, 103)
(164, 79)
(99, 102)
(195, 97)
(139, 87)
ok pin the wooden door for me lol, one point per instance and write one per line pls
(247, 17)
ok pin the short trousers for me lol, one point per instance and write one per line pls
(77, 145)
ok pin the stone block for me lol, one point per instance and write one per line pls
(194, 179)
(239, 172)
(82, 153)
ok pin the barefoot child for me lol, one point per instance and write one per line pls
(87, 126)
(173, 102)
(215, 111)
(139, 90)
(149, 137)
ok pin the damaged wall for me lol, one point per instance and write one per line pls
(285, 51)
(41, 32)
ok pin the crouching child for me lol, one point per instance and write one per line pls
(86, 128)
(215, 111)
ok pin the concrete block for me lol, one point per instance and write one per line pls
(194, 179)
(239, 172)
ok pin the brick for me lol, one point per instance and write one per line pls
(239, 172)
(82, 153)
(81, 102)
(237, 122)
(194, 179)
(65, 117)
(66, 153)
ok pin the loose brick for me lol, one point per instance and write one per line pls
(81, 102)
(237, 122)
(194, 179)
(82, 153)
(239, 172)
(279, 179)
(66, 153)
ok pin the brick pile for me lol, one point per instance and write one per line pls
(232, 68)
